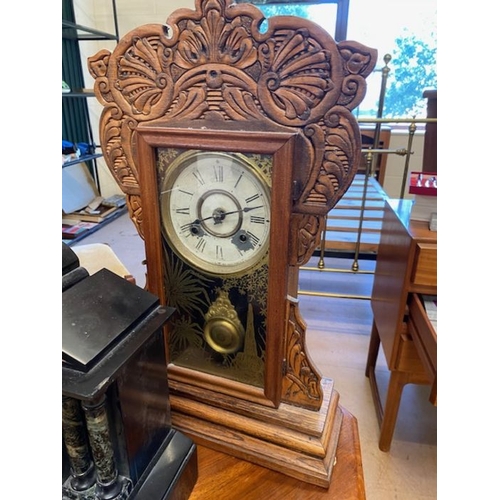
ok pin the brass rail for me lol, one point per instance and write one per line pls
(334, 295)
(396, 120)
(334, 270)
(371, 156)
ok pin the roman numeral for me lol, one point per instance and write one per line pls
(254, 239)
(198, 177)
(218, 252)
(200, 246)
(219, 173)
(252, 198)
(239, 179)
(183, 211)
(257, 220)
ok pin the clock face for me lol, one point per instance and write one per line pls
(216, 211)
(216, 218)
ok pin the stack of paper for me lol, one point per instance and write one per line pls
(430, 305)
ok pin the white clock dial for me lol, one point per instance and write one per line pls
(216, 211)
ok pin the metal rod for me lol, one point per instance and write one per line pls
(333, 295)
(371, 153)
(380, 110)
(396, 120)
(321, 261)
(411, 130)
(98, 35)
(400, 151)
(334, 270)
(115, 20)
(355, 263)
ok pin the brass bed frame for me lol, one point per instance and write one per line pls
(352, 228)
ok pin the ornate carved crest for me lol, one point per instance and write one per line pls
(214, 63)
(213, 68)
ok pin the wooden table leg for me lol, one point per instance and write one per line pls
(397, 382)
(387, 415)
(373, 349)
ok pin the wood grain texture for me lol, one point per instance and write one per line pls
(224, 477)
(290, 439)
(212, 68)
(210, 79)
(213, 63)
(425, 269)
(425, 339)
(390, 285)
(406, 265)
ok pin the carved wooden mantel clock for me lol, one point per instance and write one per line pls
(232, 145)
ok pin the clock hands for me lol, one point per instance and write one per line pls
(246, 209)
(219, 215)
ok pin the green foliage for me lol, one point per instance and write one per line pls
(413, 69)
(284, 10)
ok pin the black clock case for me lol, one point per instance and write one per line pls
(114, 356)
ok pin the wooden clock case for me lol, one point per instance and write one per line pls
(211, 80)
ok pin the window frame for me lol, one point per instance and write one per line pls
(342, 12)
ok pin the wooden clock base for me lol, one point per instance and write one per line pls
(292, 440)
(223, 477)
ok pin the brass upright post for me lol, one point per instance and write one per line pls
(411, 129)
(380, 110)
(355, 264)
(321, 262)
(372, 158)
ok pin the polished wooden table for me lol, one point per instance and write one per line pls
(223, 477)
(406, 267)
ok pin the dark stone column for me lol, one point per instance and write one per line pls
(108, 484)
(75, 441)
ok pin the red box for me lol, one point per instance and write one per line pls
(423, 183)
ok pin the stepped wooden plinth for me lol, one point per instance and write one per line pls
(292, 440)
